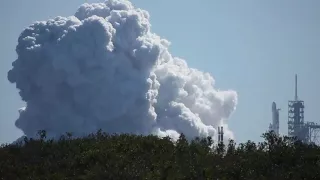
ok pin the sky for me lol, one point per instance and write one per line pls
(253, 47)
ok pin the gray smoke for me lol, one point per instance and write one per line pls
(103, 68)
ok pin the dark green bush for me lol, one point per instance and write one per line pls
(125, 156)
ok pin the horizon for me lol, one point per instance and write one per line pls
(254, 48)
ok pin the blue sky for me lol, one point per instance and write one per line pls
(253, 47)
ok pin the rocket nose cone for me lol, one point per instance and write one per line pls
(274, 106)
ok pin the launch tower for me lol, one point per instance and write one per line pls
(306, 132)
(296, 126)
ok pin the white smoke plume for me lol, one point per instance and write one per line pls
(103, 68)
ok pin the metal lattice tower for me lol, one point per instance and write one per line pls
(220, 134)
(306, 132)
(314, 132)
(296, 126)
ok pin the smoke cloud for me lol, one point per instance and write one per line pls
(103, 68)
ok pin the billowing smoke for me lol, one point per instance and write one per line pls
(103, 68)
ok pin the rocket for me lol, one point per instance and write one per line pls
(275, 119)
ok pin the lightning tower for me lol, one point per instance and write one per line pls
(220, 134)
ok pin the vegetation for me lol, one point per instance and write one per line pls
(104, 156)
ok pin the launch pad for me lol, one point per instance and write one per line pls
(307, 132)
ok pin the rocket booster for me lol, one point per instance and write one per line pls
(275, 119)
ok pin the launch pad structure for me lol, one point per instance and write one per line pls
(307, 132)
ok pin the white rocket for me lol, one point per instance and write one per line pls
(274, 126)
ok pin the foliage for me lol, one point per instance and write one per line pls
(126, 156)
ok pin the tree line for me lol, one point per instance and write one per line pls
(127, 156)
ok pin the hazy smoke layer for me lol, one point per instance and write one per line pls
(104, 68)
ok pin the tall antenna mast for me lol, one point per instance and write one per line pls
(296, 88)
(221, 133)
